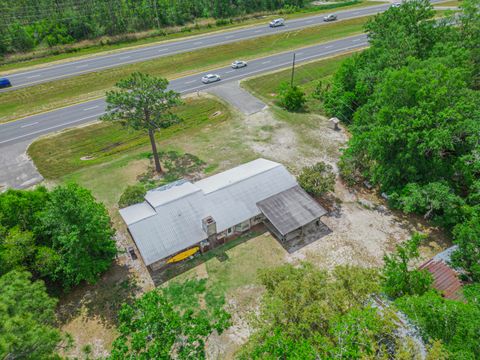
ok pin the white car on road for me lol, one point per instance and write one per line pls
(277, 22)
(207, 79)
(237, 64)
(330, 17)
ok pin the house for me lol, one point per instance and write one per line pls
(445, 279)
(181, 218)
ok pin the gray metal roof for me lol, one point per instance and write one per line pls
(178, 209)
(291, 209)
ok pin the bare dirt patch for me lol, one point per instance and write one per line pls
(270, 138)
(243, 304)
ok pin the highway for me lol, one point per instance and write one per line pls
(124, 57)
(33, 126)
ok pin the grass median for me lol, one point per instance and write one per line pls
(204, 26)
(55, 94)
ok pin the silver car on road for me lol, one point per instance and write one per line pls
(209, 78)
(238, 64)
(330, 17)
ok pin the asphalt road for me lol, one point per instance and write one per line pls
(95, 63)
(33, 126)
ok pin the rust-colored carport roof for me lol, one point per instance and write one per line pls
(445, 279)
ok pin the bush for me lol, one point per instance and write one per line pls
(399, 278)
(349, 171)
(133, 194)
(317, 179)
(291, 98)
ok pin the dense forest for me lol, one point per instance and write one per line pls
(26, 24)
(412, 104)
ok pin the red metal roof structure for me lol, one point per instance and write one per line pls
(445, 279)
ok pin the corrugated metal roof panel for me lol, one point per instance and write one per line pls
(137, 212)
(445, 279)
(171, 192)
(291, 209)
(176, 226)
(235, 175)
(236, 203)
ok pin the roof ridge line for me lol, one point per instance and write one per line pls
(239, 181)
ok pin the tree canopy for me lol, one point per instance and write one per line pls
(309, 314)
(412, 104)
(63, 235)
(29, 24)
(399, 275)
(143, 102)
(26, 318)
(168, 323)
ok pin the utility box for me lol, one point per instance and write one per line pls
(335, 121)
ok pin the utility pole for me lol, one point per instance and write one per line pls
(293, 70)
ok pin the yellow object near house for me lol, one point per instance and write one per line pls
(183, 255)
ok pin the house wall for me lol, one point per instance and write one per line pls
(221, 238)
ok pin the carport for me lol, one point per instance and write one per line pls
(291, 214)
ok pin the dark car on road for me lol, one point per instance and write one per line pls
(4, 83)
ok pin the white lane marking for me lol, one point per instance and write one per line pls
(81, 66)
(276, 66)
(328, 47)
(27, 125)
(91, 108)
(355, 40)
(266, 62)
(257, 31)
(228, 37)
(33, 76)
(309, 21)
(198, 43)
(228, 72)
(125, 57)
(355, 13)
(298, 54)
(52, 127)
(190, 82)
(160, 50)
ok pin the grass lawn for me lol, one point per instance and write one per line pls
(51, 95)
(206, 26)
(103, 141)
(265, 86)
(450, 3)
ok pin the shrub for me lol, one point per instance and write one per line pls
(291, 98)
(349, 171)
(317, 179)
(399, 278)
(133, 194)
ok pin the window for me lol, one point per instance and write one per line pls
(229, 231)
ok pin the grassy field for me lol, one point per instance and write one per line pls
(103, 142)
(450, 3)
(43, 97)
(206, 26)
(306, 75)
